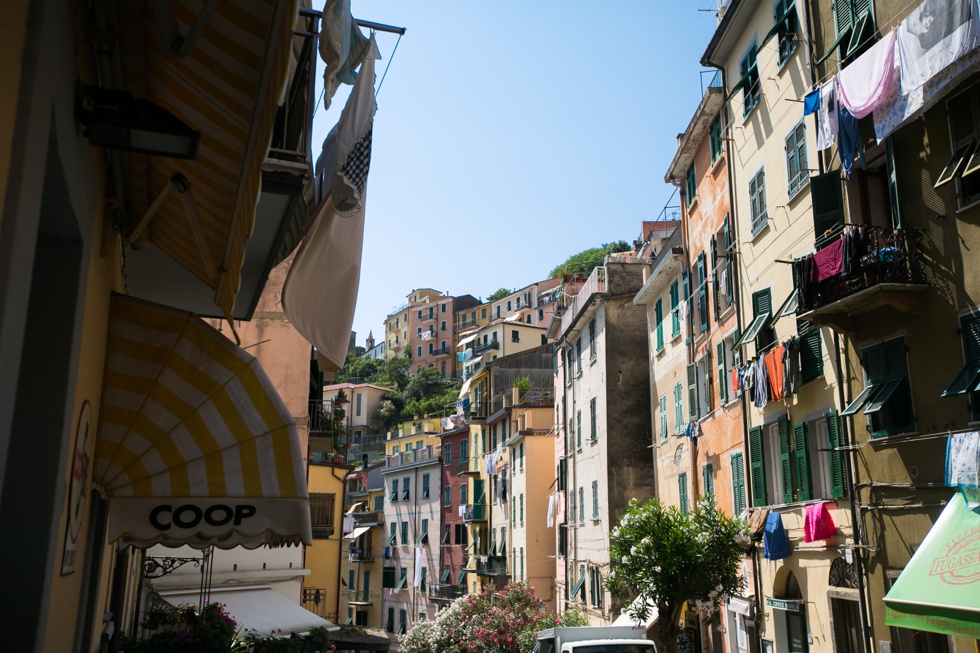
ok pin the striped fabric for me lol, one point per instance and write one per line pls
(228, 89)
(188, 417)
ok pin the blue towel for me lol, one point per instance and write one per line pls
(774, 538)
(811, 103)
(848, 141)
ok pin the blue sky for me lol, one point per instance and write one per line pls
(510, 135)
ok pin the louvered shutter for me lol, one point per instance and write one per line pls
(803, 172)
(842, 15)
(760, 189)
(970, 326)
(785, 464)
(707, 479)
(792, 162)
(894, 353)
(811, 354)
(738, 483)
(874, 364)
(730, 277)
(709, 387)
(714, 277)
(802, 457)
(659, 316)
(686, 282)
(692, 392)
(828, 203)
(757, 466)
(722, 375)
(836, 457)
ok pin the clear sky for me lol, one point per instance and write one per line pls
(510, 135)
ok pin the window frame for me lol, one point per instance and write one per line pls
(795, 152)
(758, 204)
(748, 67)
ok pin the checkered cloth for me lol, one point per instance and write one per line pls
(354, 171)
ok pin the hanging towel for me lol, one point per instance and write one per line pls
(811, 102)
(818, 524)
(774, 539)
(735, 385)
(757, 522)
(865, 82)
(848, 141)
(932, 37)
(761, 383)
(551, 511)
(418, 567)
(963, 459)
(791, 366)
(826, 116)
(827, 262)
(774, 367)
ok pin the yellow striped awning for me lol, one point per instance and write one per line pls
(195, 446)
(228, 88)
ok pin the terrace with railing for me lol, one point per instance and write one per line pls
(431, 453)
(573, 304)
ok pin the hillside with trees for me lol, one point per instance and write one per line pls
(587, 260)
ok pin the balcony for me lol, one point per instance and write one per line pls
(494, 566)
(572, 305)
(361, 597)
(446, 592)
(326, 424)
(371, 518)
(431, 453)
(470, 466)
(889, 274)
(480, 348)
(475, 512)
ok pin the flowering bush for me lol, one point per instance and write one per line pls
(489, 622)
(666, 558)
(209, 630)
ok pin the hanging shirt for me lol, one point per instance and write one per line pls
(963, 459)
(864, 83)
(761, 384)
(818, 524)
(774, 368)
(774, 538)
(828, 261)
(848, 141)
(826, 116)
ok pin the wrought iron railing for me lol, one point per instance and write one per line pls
(294, 120)
(482, 347)
(596, 283)
(446, 592)
(475, 512)
(414, 456)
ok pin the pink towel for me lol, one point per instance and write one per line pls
(827, 262)
(868, 80)
(818, 525)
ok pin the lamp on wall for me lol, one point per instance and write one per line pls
(117, 121)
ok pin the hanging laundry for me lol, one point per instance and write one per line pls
(387, 553)
(774, 367)
(811, 102)
(818, 524)
(774, 539)
(757, 522)
(735, 376)
(826, 116)
(867, 81)
(683, 309)
(551, 510)
(791, 366)
(827, 262)
(761, 384)
(418, 567)
(848, 141)
(963, 459)
(932, 37)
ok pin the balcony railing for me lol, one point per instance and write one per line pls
(446, 592)
(572, 305)
(469, 465)
(494, 566)
(370, 518)
(475, 512)
(480, 348)
(362, 596)
(887, 270)
(431, 452)
(290, 135)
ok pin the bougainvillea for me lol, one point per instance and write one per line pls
(665, 558)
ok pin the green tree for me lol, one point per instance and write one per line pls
(666, 558)
(361, 370)
(498, 293)
(587, 260)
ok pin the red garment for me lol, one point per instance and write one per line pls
(774, 366)
(734, 380)
(828, 261)
(818, 524)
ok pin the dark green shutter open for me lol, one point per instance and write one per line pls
(659, 316)
(709, 388)
(738, 483)
(836, 457)
(722, 375)
(692, 392)
(802, 457)
(729, 278)
(714, 276)
(686, 283)
(828, 202)
(702, 293)
(757, 466)
(785, 465)
(811, 354)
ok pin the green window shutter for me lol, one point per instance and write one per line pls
(707, 479)
(663, 417)
(592, 416)
(828, 202)
(874, 363)
(722, 375)
(709, 387)
(562, 466)
(762, 302)
(692, 392)
(811, 354)
(682, 491)
(738, 483)
(894, 354)
(686, 283)
(678, 408)
(757, 466)
(578, 428)
(659, 316)
(692, 184)
(785, 465)
(836, 457)
(802, 461)
(714, 278)
(675, 317)
(729, 278)
(702, 292)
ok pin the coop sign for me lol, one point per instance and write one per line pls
(188, 515)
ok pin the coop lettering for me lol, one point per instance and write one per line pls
(189, 516)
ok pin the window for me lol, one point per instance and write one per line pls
(692, 185)
(738, 483)
(592, 351)
(675, 313)
(442, 308)
(787, 26)
(757, 202)
(562, 539)
(420, 313)
(405, 488)
(404, 539)
(595, 499)
(447, 532)
(357, 404)
(887, 397)
(388, 577)
(321, 514)
(521, 504)
(473, 317)
(707, 479)
(578, 356)
(682, 491)
(379, 502)
(402, 622)
(423, 537)
(578, 429)
(521, 454)
(463, 321)
(715, 139)
(595, 586)
(961, 113)
(760, 329)
(562, 473)
(419, 331)
(796, 462)
(483, 314)
(855, 29)
(425, 486)
(662, 408)
(462, 535)
(420, 351)
(393, 536)
(593, 433)
(749, 83)
(432, 347)
(508, 305)
(447, 453)
(394, 489)
(431, 312)
(513, 511)
(699, 387)
(726, 362)
(678, 408)
(442, 325)
(464, 446)
(571, 505)
(515, 335)
(578, 590)
(811, 351)
(462, 494)
(967, 381)
(581, 504)
(658, 312)
(797, 169)
(700, 274)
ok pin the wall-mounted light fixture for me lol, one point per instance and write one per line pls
(116, 120)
